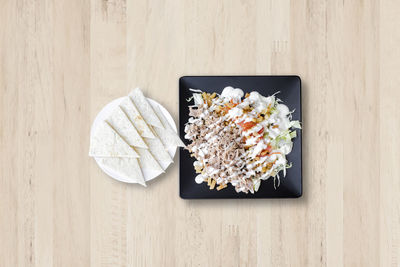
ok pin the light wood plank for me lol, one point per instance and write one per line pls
(109, 200)
(70, 107)
(389, 129)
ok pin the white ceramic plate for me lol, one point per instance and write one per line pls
(104, 113)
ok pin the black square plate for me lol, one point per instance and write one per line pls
(290, 94)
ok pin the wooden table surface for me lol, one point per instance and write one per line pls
(62, 61)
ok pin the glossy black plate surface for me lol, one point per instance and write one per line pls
(290, 94)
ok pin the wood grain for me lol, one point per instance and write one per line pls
(62, 61)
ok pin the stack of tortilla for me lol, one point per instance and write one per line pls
(135, 136)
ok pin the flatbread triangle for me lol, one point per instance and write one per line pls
(167, 135)
(124, 127)
(134, 116)
(158, 151)
(147, 161)
(145, 108)
(105, 142)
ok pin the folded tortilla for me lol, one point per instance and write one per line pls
(105, 142)
(134, 116)
(128, 168)
(147, 161)
(158, 151)
(145, 108)
(123, 126)
(156, 147)
(167, 135)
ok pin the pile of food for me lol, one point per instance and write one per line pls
(134, 139)
(239, 139)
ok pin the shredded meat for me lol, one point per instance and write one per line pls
(219, 148)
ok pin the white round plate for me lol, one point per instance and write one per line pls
(104, 113)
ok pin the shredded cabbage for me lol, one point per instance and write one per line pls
(195, 90)
(295, 124)
(257, 183)
(198, 99)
